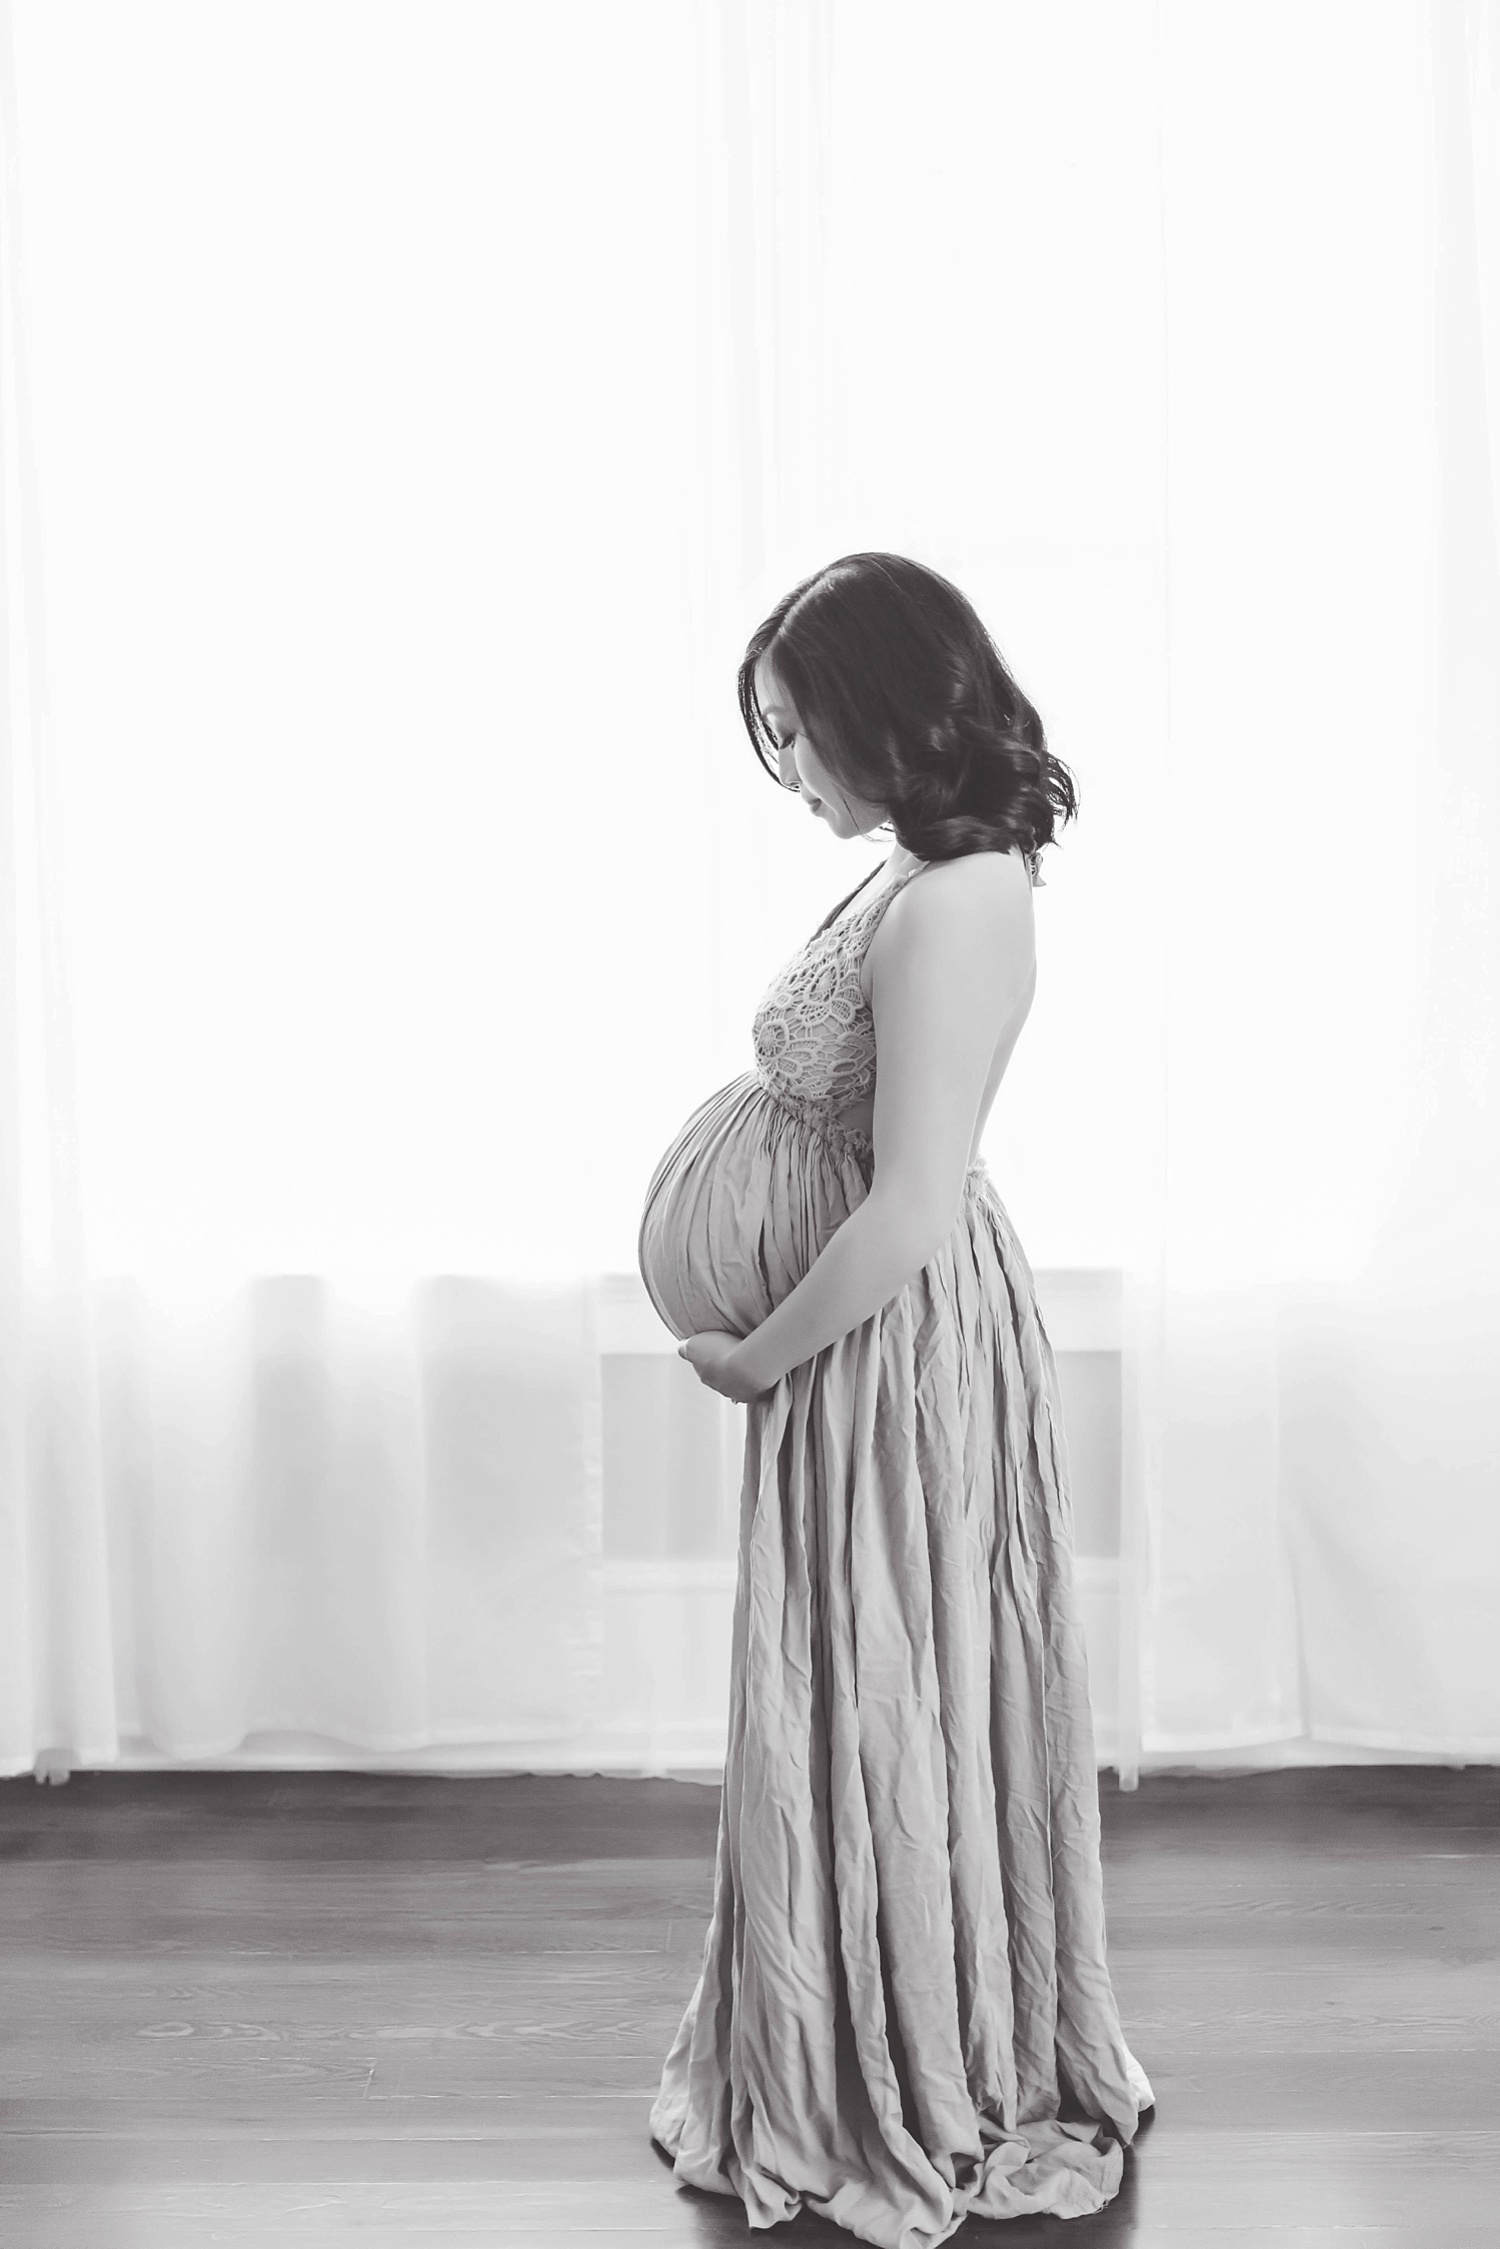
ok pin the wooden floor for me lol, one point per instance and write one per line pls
(317, 2007)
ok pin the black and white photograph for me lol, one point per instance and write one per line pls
(750, 1123)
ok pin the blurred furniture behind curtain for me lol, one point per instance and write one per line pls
(407, 414)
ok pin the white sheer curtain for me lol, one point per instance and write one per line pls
(1313, 1291)
(411, 412)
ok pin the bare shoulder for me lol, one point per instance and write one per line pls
(954, 910)
(983, 889)
(982, 872)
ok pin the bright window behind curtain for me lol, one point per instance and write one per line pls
(363, 361)
(426, 409)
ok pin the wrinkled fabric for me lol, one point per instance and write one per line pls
(904, 1976)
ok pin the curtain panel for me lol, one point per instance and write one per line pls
(406, 417)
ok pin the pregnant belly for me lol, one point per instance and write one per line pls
(738, 1208)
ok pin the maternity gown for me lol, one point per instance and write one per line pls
(904, 1977)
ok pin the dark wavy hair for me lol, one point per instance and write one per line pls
(907, 701)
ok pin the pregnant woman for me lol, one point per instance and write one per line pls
(904, 2014)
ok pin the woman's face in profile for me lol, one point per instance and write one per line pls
(802, 768)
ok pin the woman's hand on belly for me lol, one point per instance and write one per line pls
(712, 1359)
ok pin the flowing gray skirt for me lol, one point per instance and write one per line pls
(905, 1969)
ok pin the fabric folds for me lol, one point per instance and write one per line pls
(904, 1982)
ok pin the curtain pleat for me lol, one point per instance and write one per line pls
(57, 1683)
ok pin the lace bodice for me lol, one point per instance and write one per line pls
(813, 1032)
